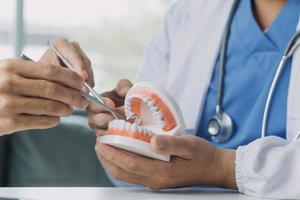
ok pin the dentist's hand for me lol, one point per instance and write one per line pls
(34, 95)
(194, 161)
(74, 54)
(99, 117)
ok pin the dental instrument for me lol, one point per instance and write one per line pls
(94, 93)
(87, 96)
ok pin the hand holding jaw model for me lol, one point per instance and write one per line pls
(149, 111)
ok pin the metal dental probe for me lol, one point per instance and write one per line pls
(94, 93)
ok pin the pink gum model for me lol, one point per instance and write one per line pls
(149, 111)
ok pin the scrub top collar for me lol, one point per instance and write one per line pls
(256, 39)
(288, 14)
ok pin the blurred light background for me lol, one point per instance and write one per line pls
(113, 33)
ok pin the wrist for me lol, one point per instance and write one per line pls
(225, 168)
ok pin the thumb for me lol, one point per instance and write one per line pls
(122, 87)
(181, 146)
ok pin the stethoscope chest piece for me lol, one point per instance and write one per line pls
(220, 127)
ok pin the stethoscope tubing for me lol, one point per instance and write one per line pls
(291, 47)
(223, 53)
(270, 95)
(293, 44)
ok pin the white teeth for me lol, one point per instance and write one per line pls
(109, 125)
(128, 108)
(148, 132)
(128, 102)
(137, 125)
(122, 124)
(146, 99)
(151, 104)
(129, 114)
(162, 124)
(137, 120)
(159, 118)
(118, 124)
(154, 109)
(127, 126)
(140, 129)
(159, 115)
(134, 128)
(145, 131)
(113, 124)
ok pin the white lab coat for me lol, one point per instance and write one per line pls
(181, 58)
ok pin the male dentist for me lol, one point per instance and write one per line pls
(184, 58)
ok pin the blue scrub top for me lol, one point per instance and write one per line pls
(252, 59)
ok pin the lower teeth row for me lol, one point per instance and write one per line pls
(123, 125)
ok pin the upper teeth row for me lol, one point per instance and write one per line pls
(123, 125)
(128, 109)
(159, 118)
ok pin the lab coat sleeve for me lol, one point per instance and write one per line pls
(269, 167)
(157, 55)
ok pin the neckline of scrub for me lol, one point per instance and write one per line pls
(255, 39)
(288, 14)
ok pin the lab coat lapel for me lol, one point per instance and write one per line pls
(293, 110)
(194, 53)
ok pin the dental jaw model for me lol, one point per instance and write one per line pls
(149, 111)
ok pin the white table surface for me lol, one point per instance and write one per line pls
(119, 194)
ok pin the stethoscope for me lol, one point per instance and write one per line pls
(220, 126)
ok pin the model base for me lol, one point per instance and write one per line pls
(132, 145)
